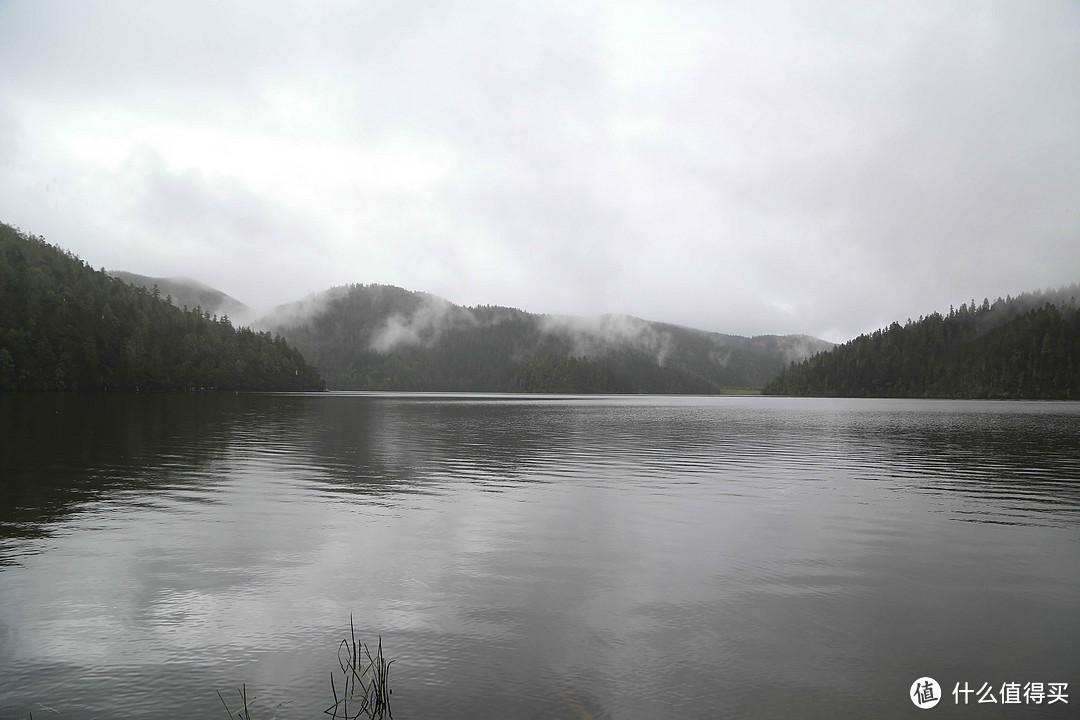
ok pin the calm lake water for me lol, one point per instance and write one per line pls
(539, 557)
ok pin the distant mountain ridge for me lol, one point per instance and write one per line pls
(185, 292)
(381, 337)
(1023, 347)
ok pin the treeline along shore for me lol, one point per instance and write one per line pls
(66, 326)
(1022, 347)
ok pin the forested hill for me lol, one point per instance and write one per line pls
(1024, 347)
(183, 291)
(65, 326)
(379, 337)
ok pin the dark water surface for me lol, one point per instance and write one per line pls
(558, 557)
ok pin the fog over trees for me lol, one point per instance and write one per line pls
(65, 326)
(380, 337)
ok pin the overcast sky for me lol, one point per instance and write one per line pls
(751, 168)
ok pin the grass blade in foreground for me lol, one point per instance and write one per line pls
(365, 689)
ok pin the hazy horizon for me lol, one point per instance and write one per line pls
(314, 300)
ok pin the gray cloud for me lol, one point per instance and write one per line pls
(214, 229)
(795, 167)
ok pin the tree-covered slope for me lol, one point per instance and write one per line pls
(185, 292)
(1025, 347)
(378, 337)
(65, 326)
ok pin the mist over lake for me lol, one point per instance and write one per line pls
(535, 557)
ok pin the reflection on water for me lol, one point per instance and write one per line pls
(558, 557)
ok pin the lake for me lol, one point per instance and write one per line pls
(537, 557)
